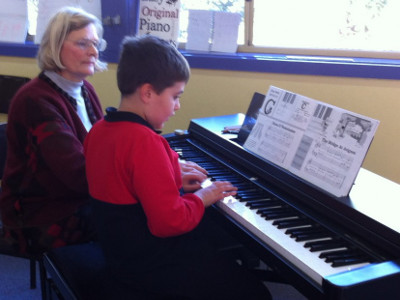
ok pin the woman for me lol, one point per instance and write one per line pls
(44, 189)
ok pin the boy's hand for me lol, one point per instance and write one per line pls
(188, 166)
(218, 190)
(191, 180)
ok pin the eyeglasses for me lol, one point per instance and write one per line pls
(85, 44)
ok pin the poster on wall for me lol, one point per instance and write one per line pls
(160, 18)
(13, 21)
(47, 8)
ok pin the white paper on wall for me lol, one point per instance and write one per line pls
(47, 8)
(13, 20)
(225, 33)
(213, 31)
(199, 30)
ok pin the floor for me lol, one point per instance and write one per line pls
(14, 280)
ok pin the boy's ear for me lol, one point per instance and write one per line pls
(146, 92)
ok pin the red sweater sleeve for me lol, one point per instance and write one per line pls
(156, 182)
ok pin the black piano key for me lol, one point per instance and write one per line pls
(220, 175)
(336, 253)
(251, 192)
(193, 159)
(243, 191)
(256, 205)
(261, 200)
(308, 233)
(245, 187)
(265, 204)
(278, 213)
(294, 222)
(273, 206)
(344, 257)
(333, 258)
(226, 177)
(325, 245)
(349, 261)
(209, 168)
(295, 230)
(312, 236)
(245, 198)
(261, 203)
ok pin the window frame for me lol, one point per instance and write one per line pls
(248, 61)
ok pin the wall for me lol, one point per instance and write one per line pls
(211, 93)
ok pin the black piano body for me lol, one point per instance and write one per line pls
(366, 221)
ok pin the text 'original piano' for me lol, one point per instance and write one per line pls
(327, 247)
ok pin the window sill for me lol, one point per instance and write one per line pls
(269, 63)
(28, 49)
(296, 64)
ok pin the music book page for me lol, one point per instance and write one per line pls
(323, 144)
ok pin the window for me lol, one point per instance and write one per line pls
(355, 25)
(32, 16)
(310, 26)
(285, 49)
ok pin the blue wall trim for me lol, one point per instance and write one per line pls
(18, 50)
(256, 62)
(296, 64)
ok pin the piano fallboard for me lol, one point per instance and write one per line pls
(327, 247)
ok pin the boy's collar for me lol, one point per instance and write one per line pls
(113, 115)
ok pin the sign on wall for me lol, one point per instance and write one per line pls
(160, 18)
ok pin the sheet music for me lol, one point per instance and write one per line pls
(13, 20)
(318, 142)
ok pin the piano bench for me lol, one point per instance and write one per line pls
(77, 272)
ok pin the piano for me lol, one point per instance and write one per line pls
(326, 247)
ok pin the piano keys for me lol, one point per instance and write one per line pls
(315, 240)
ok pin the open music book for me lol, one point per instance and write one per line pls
(322, 144)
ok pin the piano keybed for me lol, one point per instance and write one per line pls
(308, 245)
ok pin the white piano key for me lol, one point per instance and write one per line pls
(295, 252)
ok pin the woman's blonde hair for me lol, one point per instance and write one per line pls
(60, 25)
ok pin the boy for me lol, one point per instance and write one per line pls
(150, 233)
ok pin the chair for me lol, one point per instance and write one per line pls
(8, 87)
(3, 148)
(7, 249)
